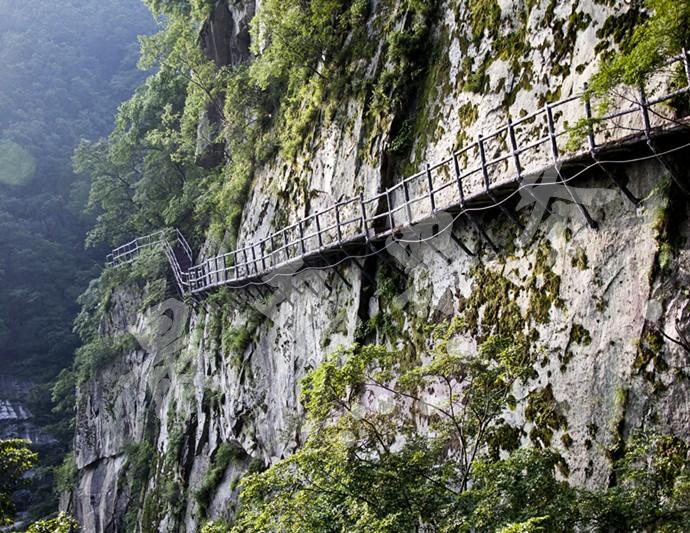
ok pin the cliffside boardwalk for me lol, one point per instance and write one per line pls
(469, 179)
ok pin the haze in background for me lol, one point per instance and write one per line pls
(64, 68)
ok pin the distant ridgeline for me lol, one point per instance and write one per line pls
(484, 174)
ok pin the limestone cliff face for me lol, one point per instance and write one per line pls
(591, 301)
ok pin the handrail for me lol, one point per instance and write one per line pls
(354, 220)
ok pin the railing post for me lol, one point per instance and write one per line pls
(645, 113)
(337, 222)
(482, 159)
(225, 269)
(252, 248)
(273, 249)
(318, 229)
(552, 131)
(686, 64)
(301, 236)
(487, 184)
(235, 265)
(363, 209)
(514, 149)
(458, 179)
(246, 260)
(262, 249)
(389, 208)
(588, 113)
(554, 152)
(406, 192)
(430, 182)
(285, 245)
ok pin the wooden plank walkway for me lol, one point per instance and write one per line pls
(467, 180)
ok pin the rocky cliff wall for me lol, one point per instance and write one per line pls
(591, 303)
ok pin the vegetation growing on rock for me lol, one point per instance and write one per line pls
(406, 461)
(405, 431)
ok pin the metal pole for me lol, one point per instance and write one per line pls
(246, 261)
(406, 191)
(337, 222)
(318, 230)
(590, 128)
(262, 248)
(554, 152)
(458, 179)
(252, 248)
(645, 113)
(514, 149)
(363, 208)
(430, 182)
(552, 132)
(389, 207)
(301, 236)
(482, 159)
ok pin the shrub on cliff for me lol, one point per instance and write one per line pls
(430, 452)
(62, 523)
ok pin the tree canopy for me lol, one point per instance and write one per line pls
(447, 461)
(16, 458)
(66, 66)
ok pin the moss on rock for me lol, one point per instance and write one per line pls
(543, 411)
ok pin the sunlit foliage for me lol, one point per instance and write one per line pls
(419, 457)
(16, 458)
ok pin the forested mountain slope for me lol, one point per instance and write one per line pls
(64, 69)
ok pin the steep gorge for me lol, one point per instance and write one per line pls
(164, 432)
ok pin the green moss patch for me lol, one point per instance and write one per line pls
(543, 411)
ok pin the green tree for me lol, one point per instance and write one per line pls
(66, 66)
(16, 458)
(663, 35)
(137, 179)
(652, 490)
(62, 523)
(373, 469)
(422, 457)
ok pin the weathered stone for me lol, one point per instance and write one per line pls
(236, 379)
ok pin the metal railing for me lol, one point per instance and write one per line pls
(469, 176)
(169, 240)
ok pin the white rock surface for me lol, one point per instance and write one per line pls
(251, 399)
